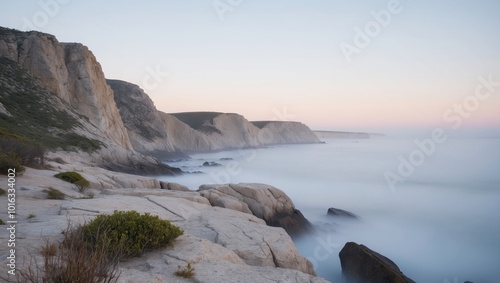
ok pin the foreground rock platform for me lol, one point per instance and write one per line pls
(222, 245)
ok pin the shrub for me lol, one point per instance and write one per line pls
(75, 178)
(54, 193)
(136, 233)
(186, 272)
(10, 160)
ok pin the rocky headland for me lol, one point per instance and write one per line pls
(54, 95)
(110, 123)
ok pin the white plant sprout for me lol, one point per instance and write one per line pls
(153, 78)
(372, 29)
(455, 115)
(49, 9)
(265, 136)
(326, 248)
(222, 7)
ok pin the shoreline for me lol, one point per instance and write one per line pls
(183, 208)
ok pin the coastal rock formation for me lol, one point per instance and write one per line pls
(222, 245)
(72, 73)
(362, 265)
(264, 201)
(58, 96)
(285, 132)
(335, 212)
(156, 132)
(142, 121)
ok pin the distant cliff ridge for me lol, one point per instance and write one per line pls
(346, 135)
(59, 94)
(154, 131)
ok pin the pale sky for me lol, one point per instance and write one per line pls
(287, 59)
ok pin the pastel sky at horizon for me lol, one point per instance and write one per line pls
(283, 58)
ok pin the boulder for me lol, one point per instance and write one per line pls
(340, 213)
(173, 186)
(362, 265)
(264, 201)
(211, 164)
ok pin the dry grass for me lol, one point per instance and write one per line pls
(50, 249)
(73, 260)
(186, 272)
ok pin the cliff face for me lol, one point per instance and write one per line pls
(285, 132)
(151, 130)
(72, 73)
(145, 127)
(56, 94)
(117, 117)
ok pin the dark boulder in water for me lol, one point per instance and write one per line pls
(340, 213)
(210, 164)
(362, 265)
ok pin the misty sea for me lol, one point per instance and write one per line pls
(440, 223)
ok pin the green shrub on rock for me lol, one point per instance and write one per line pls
(74, 178)
(10, 160)
(130, 233)
(54, 193)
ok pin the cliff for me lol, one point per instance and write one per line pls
(56, 94)
(72, 73)
(60, 93)
(345, 135)
(157, 132)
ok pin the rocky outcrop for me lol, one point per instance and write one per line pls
(362, 265)
(72, 73)
(264, 201)
(156, 132)
(74, 106)
(173, 186)
(142, 121)
(222, 245)
(115, 124)
(335, 212)
(285, 132)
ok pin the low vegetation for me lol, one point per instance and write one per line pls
(54, 193)
(72, 177)
(91, 252)
(72, 260)
(186, 272)
(200, 121)
(34, 113)
(9, 160)
(133, 232)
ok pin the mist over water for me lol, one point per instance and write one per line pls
(442, 223)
